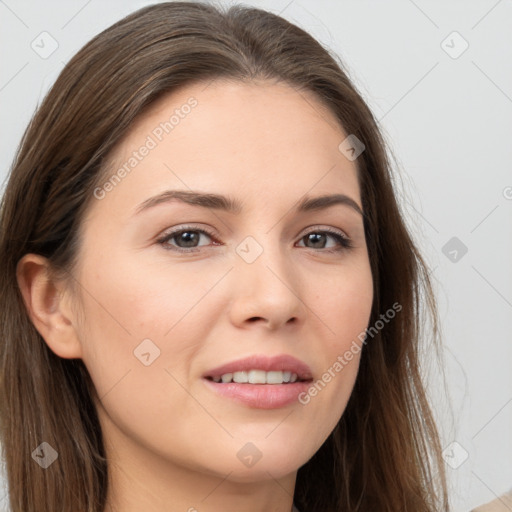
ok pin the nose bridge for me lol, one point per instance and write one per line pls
(261, 253)
(266, 281)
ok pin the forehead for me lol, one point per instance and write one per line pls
(261, 138)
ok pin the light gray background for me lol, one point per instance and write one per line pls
(449, 122)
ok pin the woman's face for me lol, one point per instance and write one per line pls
(166, 304)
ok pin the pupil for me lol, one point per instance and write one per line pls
(188, 237)
(316, 236)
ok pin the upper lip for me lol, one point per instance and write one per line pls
(284, 362)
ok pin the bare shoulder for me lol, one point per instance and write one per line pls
(500, 504)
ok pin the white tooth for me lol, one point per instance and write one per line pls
(275, 377)
(286, 376)
(257, 377)
(216, 379)
(293, 377)
(227, 377)
(240, 377)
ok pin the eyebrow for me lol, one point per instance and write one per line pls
(231, 205)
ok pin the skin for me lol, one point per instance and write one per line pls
(172, 442)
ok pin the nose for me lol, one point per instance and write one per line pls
(266, 290)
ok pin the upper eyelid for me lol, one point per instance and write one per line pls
(310, 229)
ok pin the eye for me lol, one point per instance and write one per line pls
(187, 239)
(188, 236)
(319, 237)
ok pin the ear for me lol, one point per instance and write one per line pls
(48, 306)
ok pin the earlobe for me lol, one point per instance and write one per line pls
(46, 305)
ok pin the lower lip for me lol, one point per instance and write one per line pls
(260, 396)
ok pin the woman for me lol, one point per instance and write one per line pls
(144, 370)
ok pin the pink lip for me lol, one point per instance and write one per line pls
(262, 396)
(283, 363)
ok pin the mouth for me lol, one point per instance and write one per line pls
(260, 369)
(261, 382)
(258, 377)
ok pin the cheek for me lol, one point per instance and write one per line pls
(344, 308)
(137, 314)
(131, 301)
(345, 305)
(140, 340)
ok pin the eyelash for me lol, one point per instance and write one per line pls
(344, 241)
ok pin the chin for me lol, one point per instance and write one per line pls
(261, 472)
(250, 464)
(273, 461)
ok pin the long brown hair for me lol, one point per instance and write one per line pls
(385, 452)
